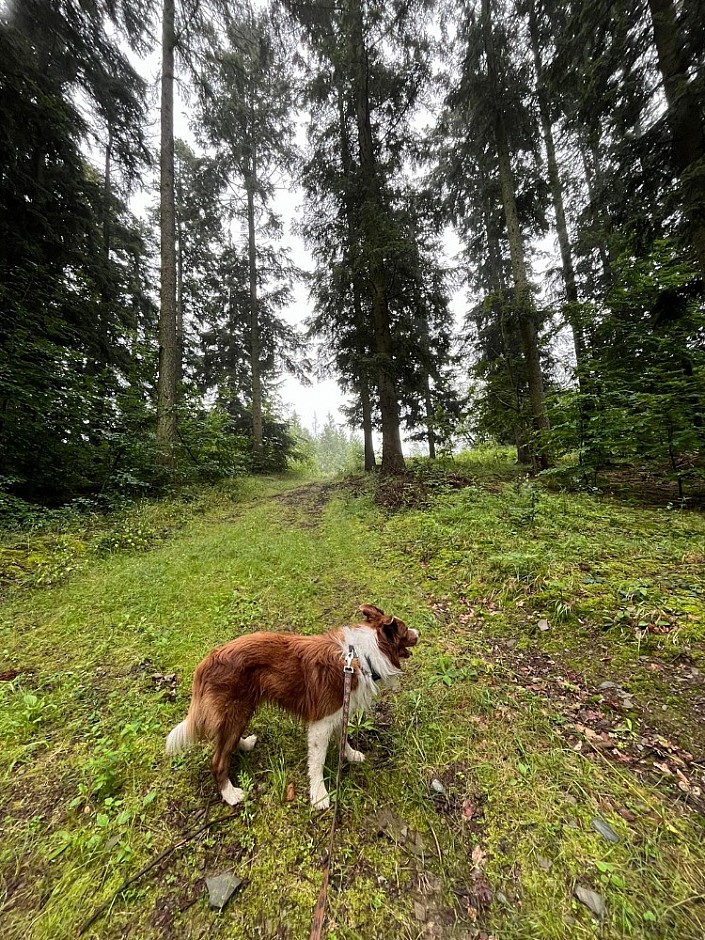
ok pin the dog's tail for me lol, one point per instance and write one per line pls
(195, 726)
(181, 737)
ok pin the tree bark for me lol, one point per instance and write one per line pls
(554, 178)
(428, 404)
(167, 386)
(255, 344)
(685, 120)
(525, 308)
(370, 462)
(180, 278)
(372, 212)
(353, 260)
(107, 193)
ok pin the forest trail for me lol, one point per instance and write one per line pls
(538, 774)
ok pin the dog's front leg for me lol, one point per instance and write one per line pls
(319, 734)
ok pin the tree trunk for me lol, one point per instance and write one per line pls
(525, 307)
(106, 193)
(370, 462)
(352, 238)
(430, 437)
(571, 289)
(180, 278)
(372, 210)
(255, 350)
(167, 386)
(685, 120)
(590, 156)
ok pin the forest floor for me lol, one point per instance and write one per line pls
(538, 774)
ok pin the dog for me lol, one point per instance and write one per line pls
(301, 674)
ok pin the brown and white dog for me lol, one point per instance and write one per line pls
(301, 674)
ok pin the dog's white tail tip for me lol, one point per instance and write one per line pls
(179, 738)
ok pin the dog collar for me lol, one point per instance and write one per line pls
(373, 672)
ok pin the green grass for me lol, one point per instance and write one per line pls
(89, 797)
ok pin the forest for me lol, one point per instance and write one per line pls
(486, 222)
(146, 279)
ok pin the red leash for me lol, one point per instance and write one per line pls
(319, 911)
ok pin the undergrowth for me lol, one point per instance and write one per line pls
(475, 813)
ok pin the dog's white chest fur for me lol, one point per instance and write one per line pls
(372, 662)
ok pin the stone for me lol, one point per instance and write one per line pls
(605, 830)
(221, 888)
(437, 786)
(592, 900)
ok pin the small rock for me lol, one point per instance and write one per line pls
(419, 911)
(437, 786)
(605, 830)
(543, 625)
(592, 900)
(221, 888)
(502, 898)
(545, 864)
(608, 685)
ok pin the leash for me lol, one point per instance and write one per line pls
(319, 911)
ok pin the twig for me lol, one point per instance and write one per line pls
(438, 848)
(143, 871)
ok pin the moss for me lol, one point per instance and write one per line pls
(486, 707)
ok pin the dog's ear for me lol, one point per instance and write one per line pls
(392, 627)
(370, 612)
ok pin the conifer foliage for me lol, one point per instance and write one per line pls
(147, 280)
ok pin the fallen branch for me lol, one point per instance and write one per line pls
(143, 871)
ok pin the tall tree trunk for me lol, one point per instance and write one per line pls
(107, 193)
(372, 211)
(353, 260)
(590, 156)
(571, 288)
(525, 307)
(167, 386)
(255, 345)
(428, 404)
(506, 325)
(370, 462)
(685, 119)
(180, 277)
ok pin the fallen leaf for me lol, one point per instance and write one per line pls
(468, 809)
(290, 793)
(478, 857)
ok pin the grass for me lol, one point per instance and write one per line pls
(104, 650)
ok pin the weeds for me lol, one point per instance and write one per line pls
(89, 797)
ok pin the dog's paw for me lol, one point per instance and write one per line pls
(355, 757)
(232, 795)
(247, 744)
(319, 797)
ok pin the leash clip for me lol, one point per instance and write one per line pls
(348, 667)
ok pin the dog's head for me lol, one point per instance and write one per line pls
(393, 636)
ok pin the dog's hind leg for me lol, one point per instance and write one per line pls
(319, 734)
(355, 757)
(227, 736)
